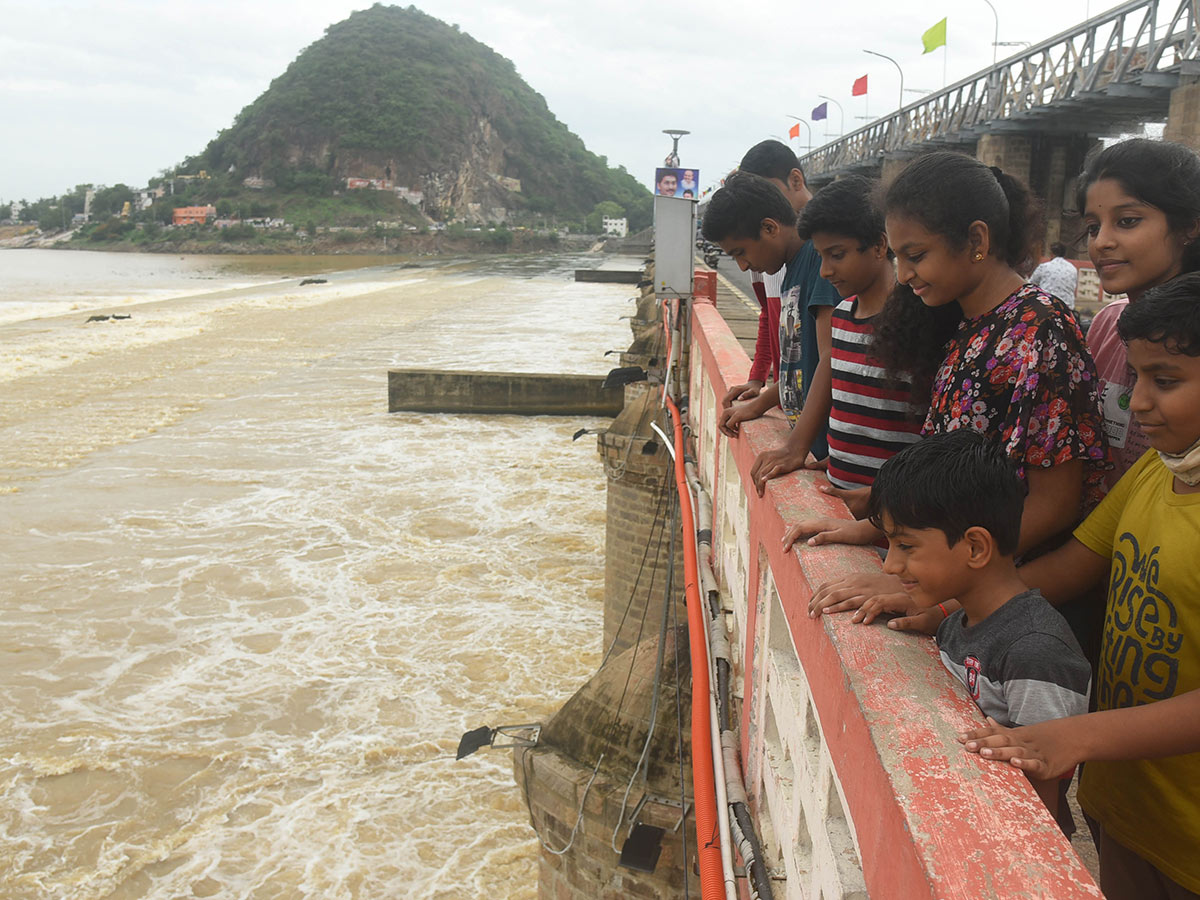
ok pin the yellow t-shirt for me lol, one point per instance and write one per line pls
(1150, 651)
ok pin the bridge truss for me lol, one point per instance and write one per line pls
(1110, 73)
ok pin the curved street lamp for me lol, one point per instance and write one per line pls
(898, 69)
(841, 113)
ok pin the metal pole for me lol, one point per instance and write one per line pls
(996, 38)
(808, 147)
(841, 113)
(898, 69)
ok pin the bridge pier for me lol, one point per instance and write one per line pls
(1011, 152)
(1183, 115)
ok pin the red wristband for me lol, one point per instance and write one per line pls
(945, 615)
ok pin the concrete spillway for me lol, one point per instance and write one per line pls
(430, 390)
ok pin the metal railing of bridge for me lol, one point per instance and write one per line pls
(1122, 59)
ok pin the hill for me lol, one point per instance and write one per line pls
(397, 96)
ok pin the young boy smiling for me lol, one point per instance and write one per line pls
(950, 506)
(1142, 746)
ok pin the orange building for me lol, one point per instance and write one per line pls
(193, 215)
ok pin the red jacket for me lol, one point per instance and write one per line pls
(766, 345)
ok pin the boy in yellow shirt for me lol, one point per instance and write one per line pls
(1142, 747)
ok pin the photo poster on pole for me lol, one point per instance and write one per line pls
(671, 181)
(674, 246)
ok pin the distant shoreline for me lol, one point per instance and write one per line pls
(324, 244)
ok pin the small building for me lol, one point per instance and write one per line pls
(255, 183)
(193, 215)
(356, 183)
(509, 184)
(408, 195)
(617, 227)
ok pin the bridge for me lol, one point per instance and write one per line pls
(1038, 113)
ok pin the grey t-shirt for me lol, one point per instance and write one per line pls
(1021, 664)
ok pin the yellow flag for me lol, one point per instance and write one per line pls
(935, 37)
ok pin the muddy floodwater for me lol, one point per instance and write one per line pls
(247, 612)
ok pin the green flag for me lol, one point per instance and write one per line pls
(935, 37)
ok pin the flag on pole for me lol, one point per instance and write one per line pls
(935, 37)
(794, 131)
(820, 112)
(860, 87)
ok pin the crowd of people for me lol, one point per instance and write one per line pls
(1037, 493)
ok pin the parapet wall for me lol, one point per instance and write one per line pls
(848, 731)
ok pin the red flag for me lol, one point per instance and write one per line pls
(794, 131)
(860, 87)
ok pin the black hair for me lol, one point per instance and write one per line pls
(845, 207)
(945, 192)
(770, 159)
(1058, 249)
(1168, 314)
(1163, 174)
(909, 340)
(952, 482)
(737, 210)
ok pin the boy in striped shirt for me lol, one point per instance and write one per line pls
(871, 417)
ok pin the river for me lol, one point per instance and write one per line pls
(248, 612)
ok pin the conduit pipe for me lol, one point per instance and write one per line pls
(731, 794)
(708, 841)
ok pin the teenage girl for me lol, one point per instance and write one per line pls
(1014, 368)
(1141, 214)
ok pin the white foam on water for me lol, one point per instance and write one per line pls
(240, 649)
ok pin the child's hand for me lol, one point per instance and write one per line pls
(896, 603)
(922, 619)
(1046, 750)
(731, 418)
(747, 391)
(820, 465)
(855, 500)
(851, 592)
(830, 531)
(772, 464)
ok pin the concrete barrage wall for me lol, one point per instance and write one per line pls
(848, 731)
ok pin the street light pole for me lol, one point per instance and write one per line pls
(675, 134)
(807, 128)
(841, 113)
(898, 69)
(996, 37)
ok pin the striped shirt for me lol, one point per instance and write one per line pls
(871, 419)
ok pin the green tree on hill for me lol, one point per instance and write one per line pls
(393, 89)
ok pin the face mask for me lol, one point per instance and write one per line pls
(1185, 466)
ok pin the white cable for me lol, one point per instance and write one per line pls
(666, 440)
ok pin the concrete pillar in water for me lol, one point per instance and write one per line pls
(638, 524)
(610, 716)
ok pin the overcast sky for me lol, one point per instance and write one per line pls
(118, 91)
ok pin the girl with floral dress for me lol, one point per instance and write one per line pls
(1000, 356)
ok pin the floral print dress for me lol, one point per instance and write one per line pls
(1021, 374)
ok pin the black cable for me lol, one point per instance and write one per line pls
(679, 743)
(641, 567)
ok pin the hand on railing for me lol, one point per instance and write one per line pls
(822, 530)
(747, 391)
(856, 499)
(1045, 750)
(729, 422)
